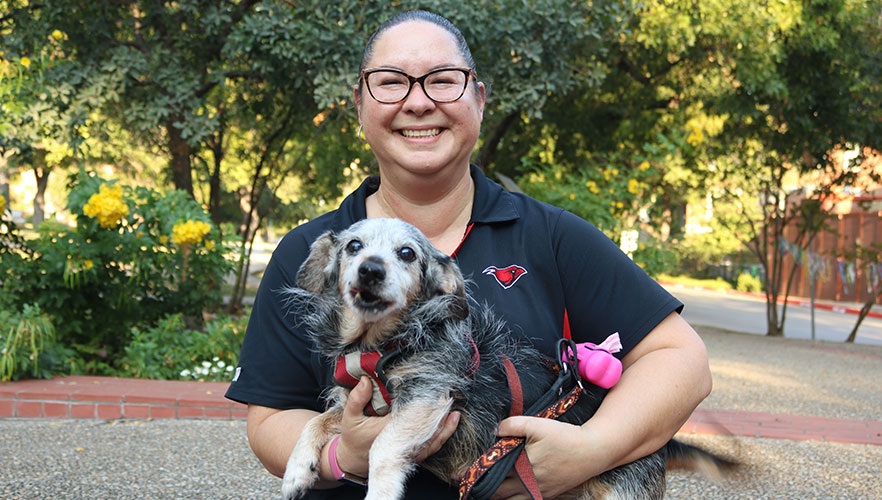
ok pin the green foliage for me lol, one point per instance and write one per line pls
(170, 351)
(656, 258)
(609, 195)
(28, 343)
(749, 283)
(136, 266)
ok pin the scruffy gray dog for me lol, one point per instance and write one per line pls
(381, 286)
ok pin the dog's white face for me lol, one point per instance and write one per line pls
(378, 267)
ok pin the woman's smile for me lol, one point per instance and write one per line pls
(424, 133)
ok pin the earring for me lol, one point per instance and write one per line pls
(360, 134)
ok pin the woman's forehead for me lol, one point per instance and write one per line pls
(415, 44)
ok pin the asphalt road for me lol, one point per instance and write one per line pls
(743, 313)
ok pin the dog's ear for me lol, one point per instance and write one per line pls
(320, 268)
(443, 278)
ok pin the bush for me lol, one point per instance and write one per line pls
(135, 256)
(27, 345)
(749, 283)
(655, 258)
(170, 351)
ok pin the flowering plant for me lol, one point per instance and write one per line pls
(189, 232)
(116, 269)
(107, 206)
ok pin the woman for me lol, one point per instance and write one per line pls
(544, 270)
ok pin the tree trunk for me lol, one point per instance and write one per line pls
(865, 310)
(4, 181)
(182, 174)
(41, 176)
(491, 145)
(214, 185)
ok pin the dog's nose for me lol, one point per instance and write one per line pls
(371, 272)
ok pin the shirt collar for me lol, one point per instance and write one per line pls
(492, 202)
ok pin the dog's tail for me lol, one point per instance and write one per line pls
(684, 456)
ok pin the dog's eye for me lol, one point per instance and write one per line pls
(354, 246)
(407, 254)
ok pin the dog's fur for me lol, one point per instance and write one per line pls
(381, 283)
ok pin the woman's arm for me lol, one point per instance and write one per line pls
(665, 377)
(272, 434)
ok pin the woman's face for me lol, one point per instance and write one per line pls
(418, 134)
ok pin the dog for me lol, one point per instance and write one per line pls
(381, 286)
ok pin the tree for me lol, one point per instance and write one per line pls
(869, 256)
(43, 109)
(811, 95)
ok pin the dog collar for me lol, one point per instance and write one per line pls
(351, 367)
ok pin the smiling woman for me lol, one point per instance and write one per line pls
(422, 139)
(420, 103)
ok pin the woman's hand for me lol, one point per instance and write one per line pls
(562, 456)
(359, 431)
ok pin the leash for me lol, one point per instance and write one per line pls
(488, 471)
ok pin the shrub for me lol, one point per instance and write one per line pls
(27, 345)
(749, 283)
(655, 257)
(124, 265)
(170, 351)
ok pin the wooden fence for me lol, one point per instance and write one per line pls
(839, 279)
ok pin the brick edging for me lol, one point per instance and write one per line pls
(108, 398)
(783, 426)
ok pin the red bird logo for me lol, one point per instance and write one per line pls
(506, 276)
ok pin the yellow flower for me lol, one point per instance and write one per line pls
(57, 34)
(25, 62)
(572, 196)
(2, 204)
(209, 244)
(88, 264)
(696, 136)
(190, 231)
(107, 206)
(633, 186)
(644, 166)
(163, 239)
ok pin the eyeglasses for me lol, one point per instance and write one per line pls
(390, 86)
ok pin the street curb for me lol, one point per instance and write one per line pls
(802, 302)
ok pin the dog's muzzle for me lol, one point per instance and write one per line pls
(371, 278)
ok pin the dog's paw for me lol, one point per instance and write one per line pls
(299, 477)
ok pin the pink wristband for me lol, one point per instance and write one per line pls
(336, 471)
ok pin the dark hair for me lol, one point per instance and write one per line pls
(417, 15)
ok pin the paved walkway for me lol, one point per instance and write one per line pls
(108, 398)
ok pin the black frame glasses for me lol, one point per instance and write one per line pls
(365, 74)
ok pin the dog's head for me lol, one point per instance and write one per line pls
(379, 268)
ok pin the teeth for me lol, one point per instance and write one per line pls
(421, 133)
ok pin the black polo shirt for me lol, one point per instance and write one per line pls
(535, 264)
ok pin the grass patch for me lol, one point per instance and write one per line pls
(716, 284)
